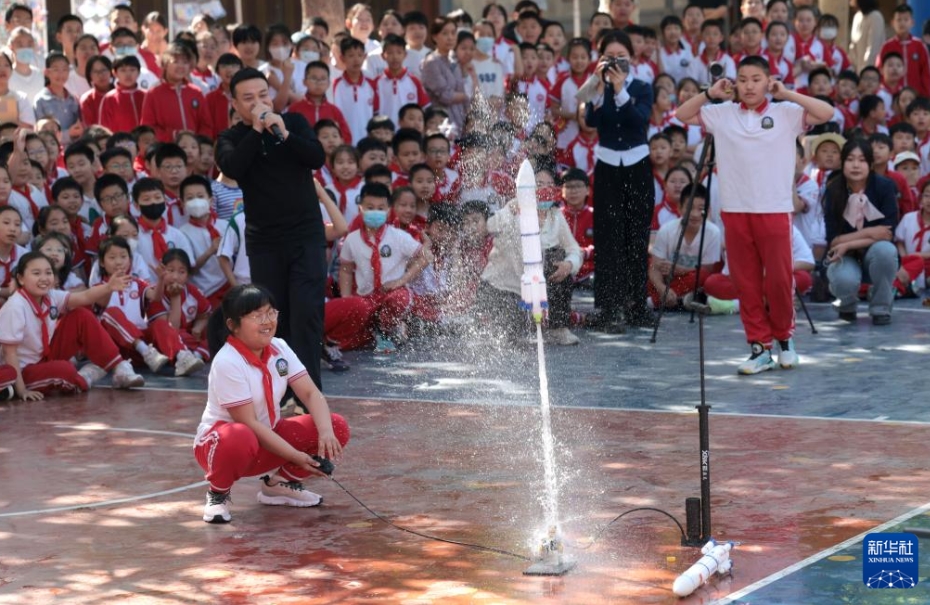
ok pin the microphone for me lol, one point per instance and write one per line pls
(276, 131)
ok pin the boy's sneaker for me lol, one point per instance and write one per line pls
(216, 510)
(721, 307)
(787, 354)
(124, 377)
(384, 345)
(561, 337)
(187, 363)
(332, 356)
(92, 373)
(154, 359)
(7, 393)
(286, 493)
(760, 361)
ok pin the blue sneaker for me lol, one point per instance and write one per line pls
(760, 361)
(787, 354)
(384, 345)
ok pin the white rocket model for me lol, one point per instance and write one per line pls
(716, 559)
(533, 282)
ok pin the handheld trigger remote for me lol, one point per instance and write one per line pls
(326, 466)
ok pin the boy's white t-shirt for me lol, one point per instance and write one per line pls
(20, 327)
(490, 78)
(906, 233)
(755, 154)
(31, 85)
(173, 237)
(232, 246)
(19, 201)
(810, 224)
(396, 249)
(667, 240)
(132, 303)
(210, 277)
(234, 382)
(16, 253)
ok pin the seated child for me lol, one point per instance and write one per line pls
(499, 301)
(663, 251)
(404, 213)
(42, 328)
(204, 237)
(57, 248)
(112, 194)
(912, 237)
(156, 236)
(11, 229)
(579, 216)
(376, 264)
(669, 210)
(54, 219)
(126, 227)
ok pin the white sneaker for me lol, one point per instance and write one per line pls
(155, 360)
(216, 510)
(187, 363)
(286, 493)
(124, 377)
(760, 361)
(92, 373)
(562, 337)
(787, 355)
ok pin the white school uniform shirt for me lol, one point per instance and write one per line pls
(31, 85)
(19, 201)
(234, 382)
(810, 224)
(667, 241)
(800, 250)
(414, 58)
(89, 211)
(374, 65)
(210, 277)
(174, 237)
(393, 93)
(537, 96)
(503, 51)
(906, 233)
(21, 328)
(755, 154)
(358, 102)
(232, 246)
(676, 61)
(564, 93)
(396, 249)
(16, 253)
(72, 282)
(76, 83)
(140, 269)
(24, 110)
(923, 151)
(132, 303)
(700, 68)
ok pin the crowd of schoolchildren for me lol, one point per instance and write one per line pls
(118, 234)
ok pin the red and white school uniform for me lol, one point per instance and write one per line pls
(28, 200)
(644, 70)
(91, 102)
(379, 258)
(829, 54)
(810, 222)
(503, 52)
(347, 197)
(121, 109)
(914, 234)
(232, 246)
(676, 61)
(563, 94)
(581, 223)
(8, 265)
(169, 109)
(756, 169)
(448, 184)
(916, 62)
(229, 450)
(797, 47)
(358, 101)
(780, 68)
(155, 240)
(396, 90)
(209, 278)
(665, 212)
(700, 69)
(537, 96)
(580, 153)
(314, 112)
(696, 44)
(48, 335)
(664, 248)
(193, 305)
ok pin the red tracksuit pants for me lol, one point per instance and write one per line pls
(721, 286)
(7, 376)
(230, 450)
(681, 285)
(914, 264)
(349, 321)
(159, 333)
(761, 267)
(77, 331)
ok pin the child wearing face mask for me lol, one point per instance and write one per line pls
(156, 236)
(823, 50)
(206, 273)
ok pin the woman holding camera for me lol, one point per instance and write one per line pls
(623, 187)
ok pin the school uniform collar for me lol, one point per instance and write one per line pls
(759, 110)
(390, 76)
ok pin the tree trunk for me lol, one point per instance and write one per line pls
(334, 11)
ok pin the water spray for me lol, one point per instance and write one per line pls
(549, 559)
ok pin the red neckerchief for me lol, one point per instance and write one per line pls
(41, 311)
(25, 192)
(773, 61)
(8, 267)
(828, 54)
(671, 50)
(759, 110)
(922, 228)
(670, 206)
(802, 48)
(77, 231)
(343, 190)
(801, 180)
(589, 147)
(657, 176)
(375, 245)
(158, 231)
(822, 177)
(205, 222)
(262, 364)
(717, 58)
(695, 44)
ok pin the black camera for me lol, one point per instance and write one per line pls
(621, 63)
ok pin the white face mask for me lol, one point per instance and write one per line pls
(309, 56)
(133, 243)
(485, 45)
(280, 53)
(829, 33)
(197, 207)
(124, 51)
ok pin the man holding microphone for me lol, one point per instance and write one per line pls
(272, 157)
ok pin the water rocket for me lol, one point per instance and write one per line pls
(716, 559)
(533, 282)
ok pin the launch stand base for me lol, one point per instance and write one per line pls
(551, 568)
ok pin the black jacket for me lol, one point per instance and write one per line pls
(279, 198)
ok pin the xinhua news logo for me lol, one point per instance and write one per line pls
(890, 560)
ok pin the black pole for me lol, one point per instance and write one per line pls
(711, 160)
(806, 313)
(704, 430)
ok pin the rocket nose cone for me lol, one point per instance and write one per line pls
(525, 176)
(683, 586)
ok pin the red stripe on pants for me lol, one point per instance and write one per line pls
(230, 450)
(159, 334)
(761, 267)
(349, 321)
(77, 331)
(721, 286)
